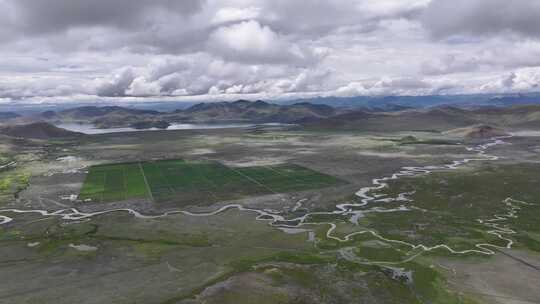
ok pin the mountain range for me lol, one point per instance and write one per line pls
(37, 130)
(218, 112)
(477, 121)
(432, 119)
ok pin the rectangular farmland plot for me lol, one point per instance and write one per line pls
(94, 185)
(235, 183)
(135, 184)
(287, 178)
(116, 182)
(196, 183)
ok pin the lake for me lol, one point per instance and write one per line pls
(91, 129)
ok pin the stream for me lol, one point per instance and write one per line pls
(367, 195)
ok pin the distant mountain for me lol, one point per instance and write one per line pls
(93, 112)
(371, 103)
(436, 119)
(105, 117)
(512, 100)
(390, 114)
(523, 116)
(49, 115)
(238, 111)
(393, 103)
(390, 103)
(37, 130)
(258, 112)
(8, 115)
(441, 118)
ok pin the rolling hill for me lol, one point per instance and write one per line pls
(258, 111)
(477, 132)
(313, 116)
(37, 130)
(436, 119)
(218, 112)
(442, 118)
(8, 116)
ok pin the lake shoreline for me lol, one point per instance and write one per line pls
(90, 129)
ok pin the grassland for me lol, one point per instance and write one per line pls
(196, 182)
(248, 261)
(450, 205)
(233, 258)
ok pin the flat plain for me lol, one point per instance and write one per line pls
(232, 216)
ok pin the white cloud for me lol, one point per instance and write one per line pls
(201, 74)
(116, 84)
(249, 41)
(522, 80)
(386, 86)
(127, 50)
(234, 14)
(140, 86)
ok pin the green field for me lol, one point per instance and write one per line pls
(197, 183)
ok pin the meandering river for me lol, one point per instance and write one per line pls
(367, 195)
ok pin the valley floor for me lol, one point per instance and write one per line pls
(433, 220)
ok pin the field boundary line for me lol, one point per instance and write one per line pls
(520, 260)
(165, 178)
(146, 183)
(286, 175)
(336, 182)
(104, 183)
(124, 179)
(212, 184)
(253, 180)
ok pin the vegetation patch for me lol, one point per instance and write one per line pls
(199, 183)
(11, 183)
(454, 208)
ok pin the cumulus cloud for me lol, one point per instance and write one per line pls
(24, 87)
(249, 41)
(234, 14)
(388, 86)
(522, 80)
(126, 49)
(203, 74)
(116, 84)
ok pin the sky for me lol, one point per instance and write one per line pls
(126, 50)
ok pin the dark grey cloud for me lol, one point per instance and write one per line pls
(315, 17)
(44, 16)
(444, 18)
(143, 26)
(487, 56)
(164, 26)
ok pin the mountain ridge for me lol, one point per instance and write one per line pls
(239, 111)
(37, 130)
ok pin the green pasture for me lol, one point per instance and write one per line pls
(197, 183)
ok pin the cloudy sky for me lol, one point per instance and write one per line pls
(82, 50)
